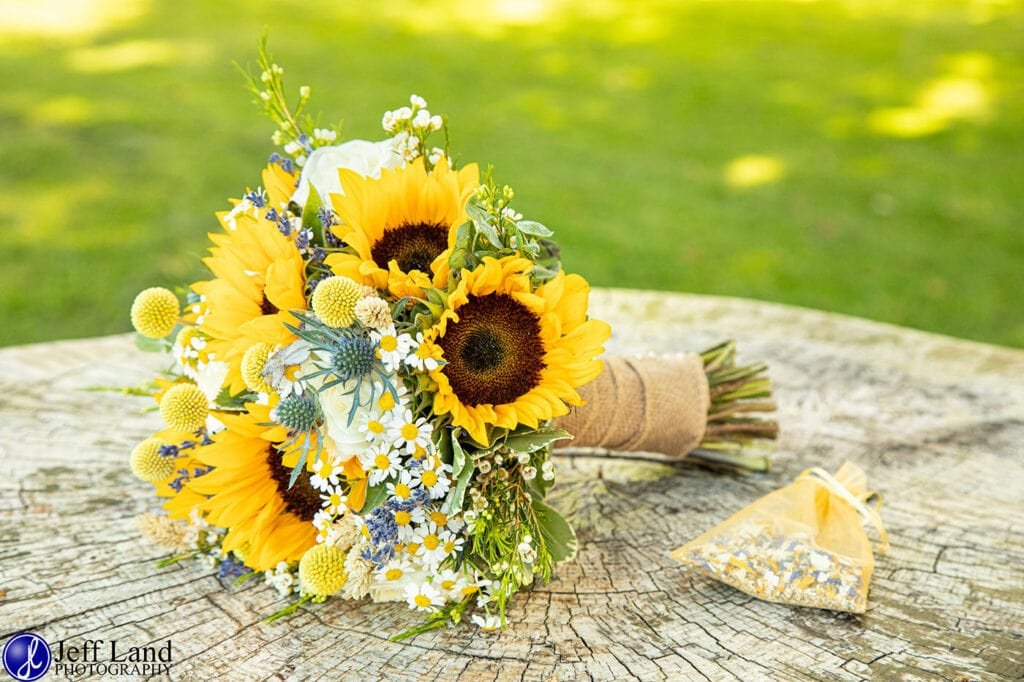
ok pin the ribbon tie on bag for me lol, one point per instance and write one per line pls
(860, 504)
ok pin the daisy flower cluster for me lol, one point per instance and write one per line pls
(363, 392)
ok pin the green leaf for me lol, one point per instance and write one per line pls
(311, 218)
(533, 228)
(531, 441)
(559, 537)
(462, 471)
(226, 400)
(375, 496)
(482, 221)
(149, 345)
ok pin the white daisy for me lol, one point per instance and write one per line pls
(452, 543)
(432, 545)
(383, 464)
(372, 427)
(406, 432)
(423, 597)
(402, 488)
(450, 583)
(419, 357)
(325, 473)
(334, 500)
(488, 623)
(435, 480)
(392, 348)
(407, 522)
(393, 571)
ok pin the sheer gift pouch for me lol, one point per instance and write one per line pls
(805, 544)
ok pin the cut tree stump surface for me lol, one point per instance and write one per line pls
(937, 424)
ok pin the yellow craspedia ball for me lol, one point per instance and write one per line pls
(322, 570)
(155, 312)
(253, 362)
(147, 463)
(334, 301)
(184, 407)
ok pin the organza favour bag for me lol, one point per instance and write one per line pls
(804, 544)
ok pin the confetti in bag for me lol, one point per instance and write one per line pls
(804, 544)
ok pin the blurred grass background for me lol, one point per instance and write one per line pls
(864, 157)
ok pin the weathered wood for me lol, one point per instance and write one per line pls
(937, 424)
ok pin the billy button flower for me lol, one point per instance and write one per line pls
(147, 462)
(322, 570)
(254, 361)
(184, 407)
(155, 312)
(334, 301)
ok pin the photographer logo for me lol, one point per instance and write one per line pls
(27, 657)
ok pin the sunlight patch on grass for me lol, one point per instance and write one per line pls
(492, 19)
(961, 94)
(64, 18)
(38, 215)
(66, 110)
(753, 170)
(130, 54)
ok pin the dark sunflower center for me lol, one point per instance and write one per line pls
(266, 307)
(494, 352)
(301, 499)
(413, 246)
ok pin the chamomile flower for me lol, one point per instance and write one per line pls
(423, 597)
(407, 520)
(322, 521)
(383, 464)
(453, 544)
(394, 570)
(392, 347)
(372, 427)
(408, 433)
(402, 488)
(442, 521)
(488, 623)
(421, 356)
(435, 480)
(334, 500)
(450, 583)
(432, 545)
(325, 474)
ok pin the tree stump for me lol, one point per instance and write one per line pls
(937, 424)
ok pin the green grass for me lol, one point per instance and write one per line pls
(123, 129)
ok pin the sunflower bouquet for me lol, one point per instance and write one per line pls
(365, 394)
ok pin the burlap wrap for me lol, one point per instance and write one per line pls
(655, 405)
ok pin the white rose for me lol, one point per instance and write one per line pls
(361, 156)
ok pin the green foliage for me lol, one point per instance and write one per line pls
(528, 440)
(462, 471)
(375, 496)
(494, 230)
(559, 537)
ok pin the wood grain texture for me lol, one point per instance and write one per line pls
(938, 424)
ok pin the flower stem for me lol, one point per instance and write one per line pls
(738, 395)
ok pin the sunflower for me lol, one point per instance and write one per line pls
(247, 491)
(259, 278)
(280, 184)
(400, 224)
(513, 355)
